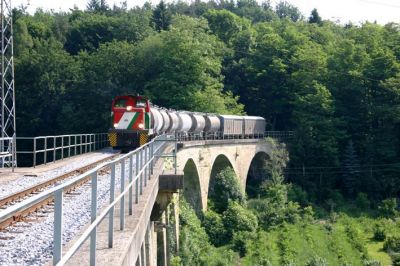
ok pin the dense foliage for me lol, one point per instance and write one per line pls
(274, 229)
(337, 86)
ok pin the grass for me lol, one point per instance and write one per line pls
(376, 252)
(297, 243)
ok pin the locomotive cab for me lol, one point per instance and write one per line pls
(131, 120)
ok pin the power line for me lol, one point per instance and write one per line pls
(343, 172)
(338, 167)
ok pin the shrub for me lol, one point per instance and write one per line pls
(236, 219)
(212, 223)
(276, 193)
(379, 233)
(316, 261)
(356, 239)
(392, 244)
(362, 201)
(293, 212)
(226, 188)
(308, 214)
(297, 194)
(371, 263)
(395, 259)
(239, 240)
(268, 213)
(388, 208)
(334, 200)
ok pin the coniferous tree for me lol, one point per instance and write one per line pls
(93, 5)
(97, 6)
(161, 17)
(351, 169)
(315, 18)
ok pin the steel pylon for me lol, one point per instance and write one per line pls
(8, 128)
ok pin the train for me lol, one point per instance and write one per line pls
(135, 121)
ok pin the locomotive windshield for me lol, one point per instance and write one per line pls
(120, 103)
(140, 103)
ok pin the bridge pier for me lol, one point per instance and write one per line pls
(149, 244)
(164, 210)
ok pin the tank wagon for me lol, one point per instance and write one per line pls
(135, 121)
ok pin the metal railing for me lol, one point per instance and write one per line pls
(53, 148)
(7, 152)
(139, 174)
(190, 136)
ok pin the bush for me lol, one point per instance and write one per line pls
(392, 244)
(372, 263)
(362, 201)
(308, 214)
(388, 208)
(335, 200)
(226, 188)
(268, 213)
(379, 233)
(236, 219)
(355, 236)
(193, 238)
(276, 193)
(297, 194)
(395, 259)
(239, 240)
(293, 212)
(212, 223)
(316, 261)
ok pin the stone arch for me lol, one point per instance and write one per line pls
(220, 162)
(256, 173)
(191, 185)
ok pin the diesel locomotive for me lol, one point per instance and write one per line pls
(135, 121)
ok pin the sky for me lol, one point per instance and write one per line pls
(343, 11)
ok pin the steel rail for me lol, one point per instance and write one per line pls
(19, 215)
(87, 233)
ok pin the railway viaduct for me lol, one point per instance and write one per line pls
(144, 241)
(201, 161)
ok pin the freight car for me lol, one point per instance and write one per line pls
(135, 120)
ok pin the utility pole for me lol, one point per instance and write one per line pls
(8, 132)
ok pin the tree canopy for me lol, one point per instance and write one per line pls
(329, 83)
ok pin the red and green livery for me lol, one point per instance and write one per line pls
(131, 120)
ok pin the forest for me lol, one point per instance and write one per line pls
(337, 86)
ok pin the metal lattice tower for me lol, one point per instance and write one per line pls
(8, 132)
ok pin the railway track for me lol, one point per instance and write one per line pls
(18, 196)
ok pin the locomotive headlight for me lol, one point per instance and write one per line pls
(129, 108)
(116, 125)
(141, 126)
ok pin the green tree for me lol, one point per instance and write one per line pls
(225, 188)
(97, 6)
(286, 10)
(212, 223)
(238, 219)
(88, 31)
(351, 170)
(161, 17)
(315, 18)
(388, 208)
(181, 68)
(226, 25)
